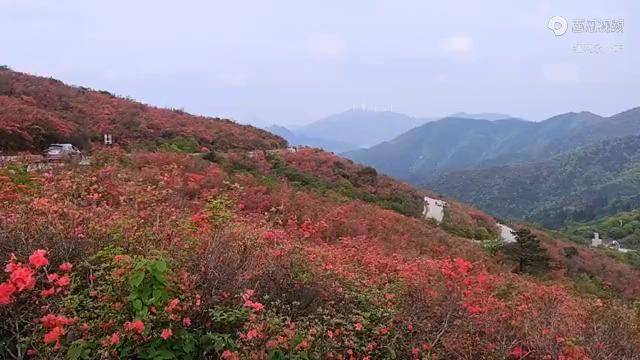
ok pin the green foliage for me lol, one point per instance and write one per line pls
(589, 183)
(624, 227)
(591, 285)
(215, 342)
(144, 282)
(81, 350)
(492, 246)
(5, 68)
(631, 257)
(212, 156)
(570, 251)
(179, 144)
(527, 253)
(19, 174)
(220, 210)
(148, 282)
(401, 203)
(228, 319)
(466, 230)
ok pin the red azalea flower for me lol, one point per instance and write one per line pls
(53, 336)
(173, 304)
(63, 281)
(115, 338)
(48, 292)
(51, 321)
(228, 355)
(11, 266)
(518, 352)
(166, 333)
(66, 267)
(38, 258)
(22, 278)
(6, 293)
(136, 326)
(256, 306)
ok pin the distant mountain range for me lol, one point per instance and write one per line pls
(296, 139)
(589, 183)
(481, 116)
(436, 148)
(355, 129)
(349, 130)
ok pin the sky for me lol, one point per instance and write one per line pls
(293, 62)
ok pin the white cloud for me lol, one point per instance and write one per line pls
(326, 45)
(459, 45)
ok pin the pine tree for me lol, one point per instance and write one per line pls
(527, 253)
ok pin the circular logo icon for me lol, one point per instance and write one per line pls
(558, 25)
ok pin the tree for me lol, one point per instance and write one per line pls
(527, 253)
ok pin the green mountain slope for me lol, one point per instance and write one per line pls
(436, 148)
(592, 182)
(623, 227)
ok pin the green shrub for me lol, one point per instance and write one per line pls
(179, 144)
(492, 246)
(219, 210)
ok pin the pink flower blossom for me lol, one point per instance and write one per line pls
(66, 267)
(518, 352)
(63, 281)
(253, 334)
(166, 333)
(38, 258)
(173, 304)
(136, 326)
(22, 278)
(48, 292)
(228, 355)
(256, 306)
(54, 335)
(115, 338)
(6, 293)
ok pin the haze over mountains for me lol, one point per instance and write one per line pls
(351, 129)
(354, 129)
(570, 167)
(436, 148)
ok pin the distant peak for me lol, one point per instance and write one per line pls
(481, 116)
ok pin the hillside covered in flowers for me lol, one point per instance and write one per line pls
(36, 111)
(236, 254)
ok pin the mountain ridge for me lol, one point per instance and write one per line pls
(451, 144)
(597, 180)
(37, 111)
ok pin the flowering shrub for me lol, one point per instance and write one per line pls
(36, 111)
(164, 255)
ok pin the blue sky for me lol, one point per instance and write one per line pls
(292, 62)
